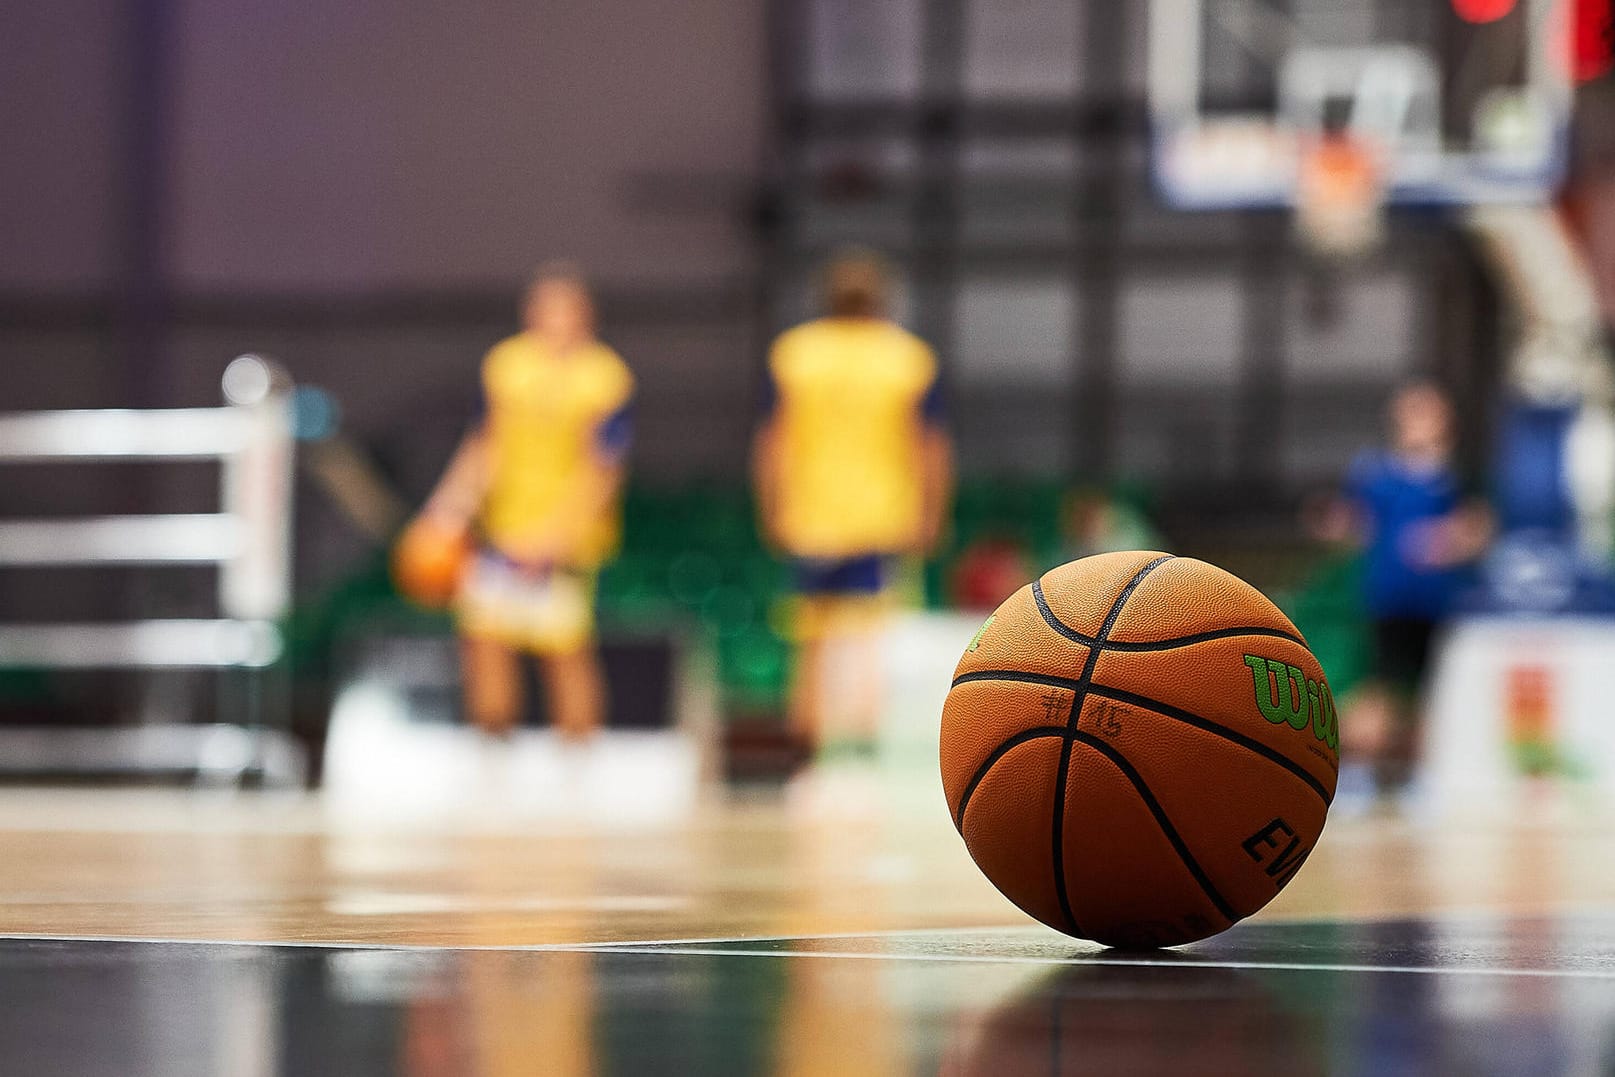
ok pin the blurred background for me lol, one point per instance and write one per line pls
(358, 192)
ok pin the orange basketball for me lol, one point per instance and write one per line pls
(1139, 749)
(428, 562)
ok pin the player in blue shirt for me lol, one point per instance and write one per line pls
(1408, 509)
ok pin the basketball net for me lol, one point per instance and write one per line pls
(1340, 196)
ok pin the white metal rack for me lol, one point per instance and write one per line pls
(249, 539)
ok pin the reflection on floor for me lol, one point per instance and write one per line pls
(833, 927)
(1475, 994)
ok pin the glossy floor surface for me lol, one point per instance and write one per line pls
(1472, 995)
(829, 929)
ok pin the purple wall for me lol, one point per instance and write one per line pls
(59, 74)
(364, 146)
(369, 145)
(333, 153)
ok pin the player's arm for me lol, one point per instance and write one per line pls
(1469, 529)
(936, 466)
(612, 440)
(1334, 519)
(460, 492)
(1459, 537)
(1342, 518)
(1474, 527)
(765, 464)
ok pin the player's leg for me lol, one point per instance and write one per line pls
(853, 684)
(1380, 725)
(835, 696)
(576, 688)
(804, 703)
(491, 675)
(1369, 718)
(490, 670)
(1366, 737)
(1413, 639)
(562, 637)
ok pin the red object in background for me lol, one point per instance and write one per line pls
(1483, 11)
(1529, 704)
(988, 572)
(1593, 39)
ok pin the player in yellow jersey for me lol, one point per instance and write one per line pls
(538, 479)
(852, 469)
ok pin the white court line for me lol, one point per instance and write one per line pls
(530, 947)
(885, 933)
(1473, 912)
(247, 944)
(1076, 962)
(674, 950)
(1466, 913)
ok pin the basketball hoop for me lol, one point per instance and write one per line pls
(1340, 196)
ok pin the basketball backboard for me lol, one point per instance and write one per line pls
(1463, 102)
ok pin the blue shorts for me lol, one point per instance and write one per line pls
(864, 575)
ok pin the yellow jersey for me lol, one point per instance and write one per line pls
(553, 425)
(850, 400)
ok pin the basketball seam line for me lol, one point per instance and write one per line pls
(1003, 749)
(1165, 710)
(1079, 694)
(1143, 790)
(1200, 637)
(1173, 643)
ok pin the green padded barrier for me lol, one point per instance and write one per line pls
(692, 557)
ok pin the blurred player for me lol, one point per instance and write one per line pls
(538, 481)
(1407, 508)
(852, 469)
(1096, 520)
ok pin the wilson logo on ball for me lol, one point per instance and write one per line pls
(1285, 694)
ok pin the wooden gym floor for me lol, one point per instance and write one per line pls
(816, 930)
